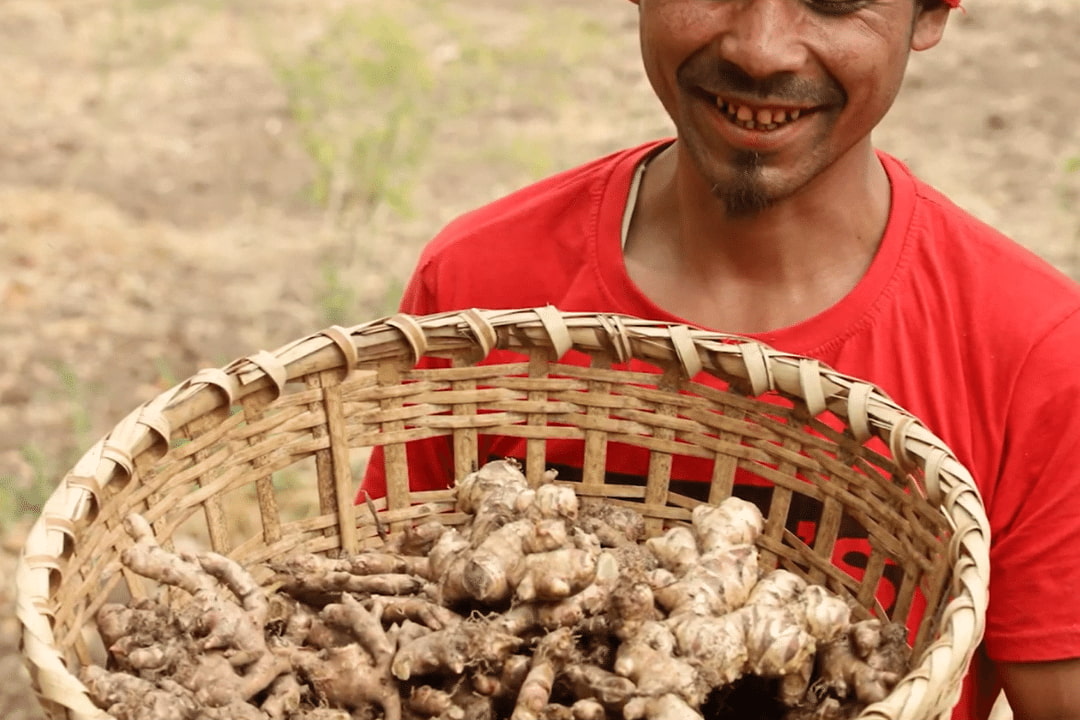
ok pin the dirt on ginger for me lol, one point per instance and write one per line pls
(541, 605)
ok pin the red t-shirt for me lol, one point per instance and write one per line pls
(975, 335)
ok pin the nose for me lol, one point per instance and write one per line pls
(762, 37)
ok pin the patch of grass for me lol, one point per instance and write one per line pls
(337, 298)
(368, 94)
(167, 375)
(24, 494)
(508, 78)
(357, 96)
(77, 393)
(532, 158)
(373, 91)
(360, 97)
(391, 296)
(24, 497)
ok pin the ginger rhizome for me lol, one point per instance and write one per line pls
(542, 605)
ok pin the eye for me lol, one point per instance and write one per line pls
(836, 7)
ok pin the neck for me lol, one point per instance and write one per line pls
(761, 272)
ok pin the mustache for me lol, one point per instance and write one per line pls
(722, 77)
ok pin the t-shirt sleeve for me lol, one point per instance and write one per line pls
(1034, 611)
(430, 460)
(419, 297)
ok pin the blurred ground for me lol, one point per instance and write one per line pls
(182, 183)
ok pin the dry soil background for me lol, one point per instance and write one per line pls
(157, 159)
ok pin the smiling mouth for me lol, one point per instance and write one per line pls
(759, 118)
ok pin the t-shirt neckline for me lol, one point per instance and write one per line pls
(834, 324)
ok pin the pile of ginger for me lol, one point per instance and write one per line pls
(543, 605)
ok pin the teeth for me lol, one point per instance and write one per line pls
(751, 119)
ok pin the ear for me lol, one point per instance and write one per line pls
(929, 27)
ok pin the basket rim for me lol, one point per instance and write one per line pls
(750, 365)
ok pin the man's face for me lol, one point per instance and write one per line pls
(768, 94)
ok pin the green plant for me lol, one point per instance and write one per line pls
(167, 376)
(336, 298)
(25, 492)
(77, 392)
(360, 98)
(357, 96)
(24, 495)
(391, 296)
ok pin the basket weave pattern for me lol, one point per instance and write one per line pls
(225, 435)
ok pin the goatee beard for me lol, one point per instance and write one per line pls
(744, 196)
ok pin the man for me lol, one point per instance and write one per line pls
(771, 214)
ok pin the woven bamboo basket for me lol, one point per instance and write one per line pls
(205, 460)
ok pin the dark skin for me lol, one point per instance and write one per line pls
(754, 227)
(1043, 690)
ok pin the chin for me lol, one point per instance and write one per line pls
(744, 188)
(743, 200)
